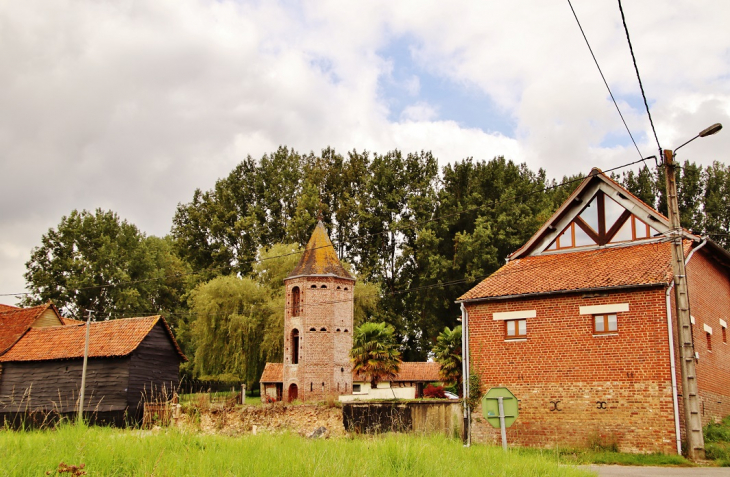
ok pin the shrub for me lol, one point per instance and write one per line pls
(432, 391)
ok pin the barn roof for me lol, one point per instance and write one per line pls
(409, 372)
(273, 373)
(16, 321)
(319, 257)
(643, 264)
(112, 338)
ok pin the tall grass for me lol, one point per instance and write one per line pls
(114, 452)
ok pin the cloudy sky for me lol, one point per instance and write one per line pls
(130, 106)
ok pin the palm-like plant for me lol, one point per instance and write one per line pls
(374, 353)
(448, 354)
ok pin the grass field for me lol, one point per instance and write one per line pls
(115, 452)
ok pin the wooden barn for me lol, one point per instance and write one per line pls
(130, 360)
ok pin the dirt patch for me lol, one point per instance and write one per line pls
(272, 418)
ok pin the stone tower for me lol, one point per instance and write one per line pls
(318, 324)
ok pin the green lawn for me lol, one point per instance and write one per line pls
(114, 452)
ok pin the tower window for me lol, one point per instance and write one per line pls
(295, 346)
(339, 288)
(345, 288)
(323, 286)
(313, 329)
(323, 329)
(313, 286)
(295, 300)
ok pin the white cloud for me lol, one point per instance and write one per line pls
(131, 106)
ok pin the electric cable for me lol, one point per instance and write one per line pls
(604, 80)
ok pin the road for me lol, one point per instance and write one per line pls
(646, 471)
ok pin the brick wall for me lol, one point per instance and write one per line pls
(709, 294)
(325, 338)
(576, 388)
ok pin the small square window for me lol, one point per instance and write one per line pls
(515, 329)
(355, 388)
(603, 324)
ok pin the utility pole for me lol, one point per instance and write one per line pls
(83, 371)
(692, 420)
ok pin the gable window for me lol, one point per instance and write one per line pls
(602, 221)
(515, 329)
(295, 300)
(603, 324)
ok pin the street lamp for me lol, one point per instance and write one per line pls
(690, 398)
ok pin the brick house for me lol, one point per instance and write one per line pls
(318, 327)
(579, 325)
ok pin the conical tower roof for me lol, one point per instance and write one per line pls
(320, 257)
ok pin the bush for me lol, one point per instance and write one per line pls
(432, 391)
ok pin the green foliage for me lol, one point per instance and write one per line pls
(475, 391)
(717, 442)
(114, 452)
(447, 353)
(239, 322)
(77, 261)
(374, 352)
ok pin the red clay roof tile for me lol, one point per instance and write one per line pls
(273, 373)
(640, 264)
(106, 339)
(409, 372)
(16, 321)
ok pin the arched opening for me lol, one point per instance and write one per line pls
(295, 346)
(323, 329)
(323, 286)
(293, 392)
(313, 286)
(312, 329)
(295, 301)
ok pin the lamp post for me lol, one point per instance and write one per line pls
(692, 419)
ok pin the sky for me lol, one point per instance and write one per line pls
(132, 105)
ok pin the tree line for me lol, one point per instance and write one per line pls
(416, 236)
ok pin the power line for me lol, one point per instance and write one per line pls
(641, 86)
(604, 80)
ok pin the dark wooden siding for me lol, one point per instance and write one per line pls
(154, 368)
(54, 385)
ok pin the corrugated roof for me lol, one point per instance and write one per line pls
(640, 264)
(106, 339)
(16, 321)
(273, 373)
(319, 257)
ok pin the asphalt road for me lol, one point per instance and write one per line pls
(645, 471)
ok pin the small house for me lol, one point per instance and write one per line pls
(130, 361)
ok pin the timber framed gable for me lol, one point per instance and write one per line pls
(598, 213)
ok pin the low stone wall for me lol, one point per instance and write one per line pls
(302, 419)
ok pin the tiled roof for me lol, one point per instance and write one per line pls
(71, 321)
(273, 373)
(419, 371)
(106, 339)
(319, 257)
(16, 321)
(7, 308)
(640, 264)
